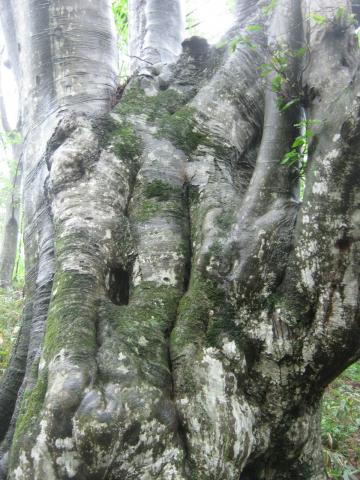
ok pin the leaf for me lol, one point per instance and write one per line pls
(300, 52)
(234, 43)
(340, 13)
(11, 138)
(266, 69)
(254, 28)
(320, 19)
(289, 104)
(270, 7)
(246, 40)
(290, 158)
(276, 83)
(298, 142)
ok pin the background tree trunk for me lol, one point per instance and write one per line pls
(11, 153)
(194, 309)
(11, 233)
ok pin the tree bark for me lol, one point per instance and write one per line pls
(185, 309)
(156, 30)
(10, 236)
(11, 233)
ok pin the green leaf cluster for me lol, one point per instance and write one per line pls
(242, 40)
(300, 146)
(120, 11)
(13, 137)
(270, 7)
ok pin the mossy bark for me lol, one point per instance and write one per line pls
(198, 308)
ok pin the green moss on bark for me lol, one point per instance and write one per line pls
(126, 142)
(70, 324)
(157, 198)
(166, 110)
(28, 420)
(142, 328)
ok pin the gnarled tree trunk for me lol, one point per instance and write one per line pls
(185, 309)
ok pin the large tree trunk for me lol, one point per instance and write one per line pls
(194, 309)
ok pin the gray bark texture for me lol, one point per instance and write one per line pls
(11, 232)
(9, 241)
(185, 310)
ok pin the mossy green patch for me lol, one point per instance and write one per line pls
(167, 111)
(126, 142)
(225, 221)
(28, 420)
(136, 102)
(159, 189)
(71, 316)
(142, 328)
(157, 198)
(182, 129)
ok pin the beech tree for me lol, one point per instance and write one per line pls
(10, 149)
(186, 301)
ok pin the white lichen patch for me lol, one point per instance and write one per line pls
(142, 341)
(64, 443)
(320, 188)
(307, 278)
(20, 470)
(40, 454)
(219, 420)
(69, 463)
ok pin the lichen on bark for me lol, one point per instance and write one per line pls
(180, 322)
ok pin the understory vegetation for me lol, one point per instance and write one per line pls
(11, 304)
(340, 425)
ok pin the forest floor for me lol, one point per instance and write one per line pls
(340, 422)
(340, 425)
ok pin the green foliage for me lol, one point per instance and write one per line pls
(120, 10)
(344, 18)
(254, 28)
(340, 19)
(288, 91)
(270, 7)
(320, 19)
(11, 138)
(298, 154)
(11, 304)
(340, 426)
(242, 40)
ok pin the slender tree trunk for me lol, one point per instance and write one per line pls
(11, 233)
(194, 309)
(11, 222)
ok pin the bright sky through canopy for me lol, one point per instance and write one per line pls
(213, 17)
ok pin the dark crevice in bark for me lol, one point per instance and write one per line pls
(119, 285)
